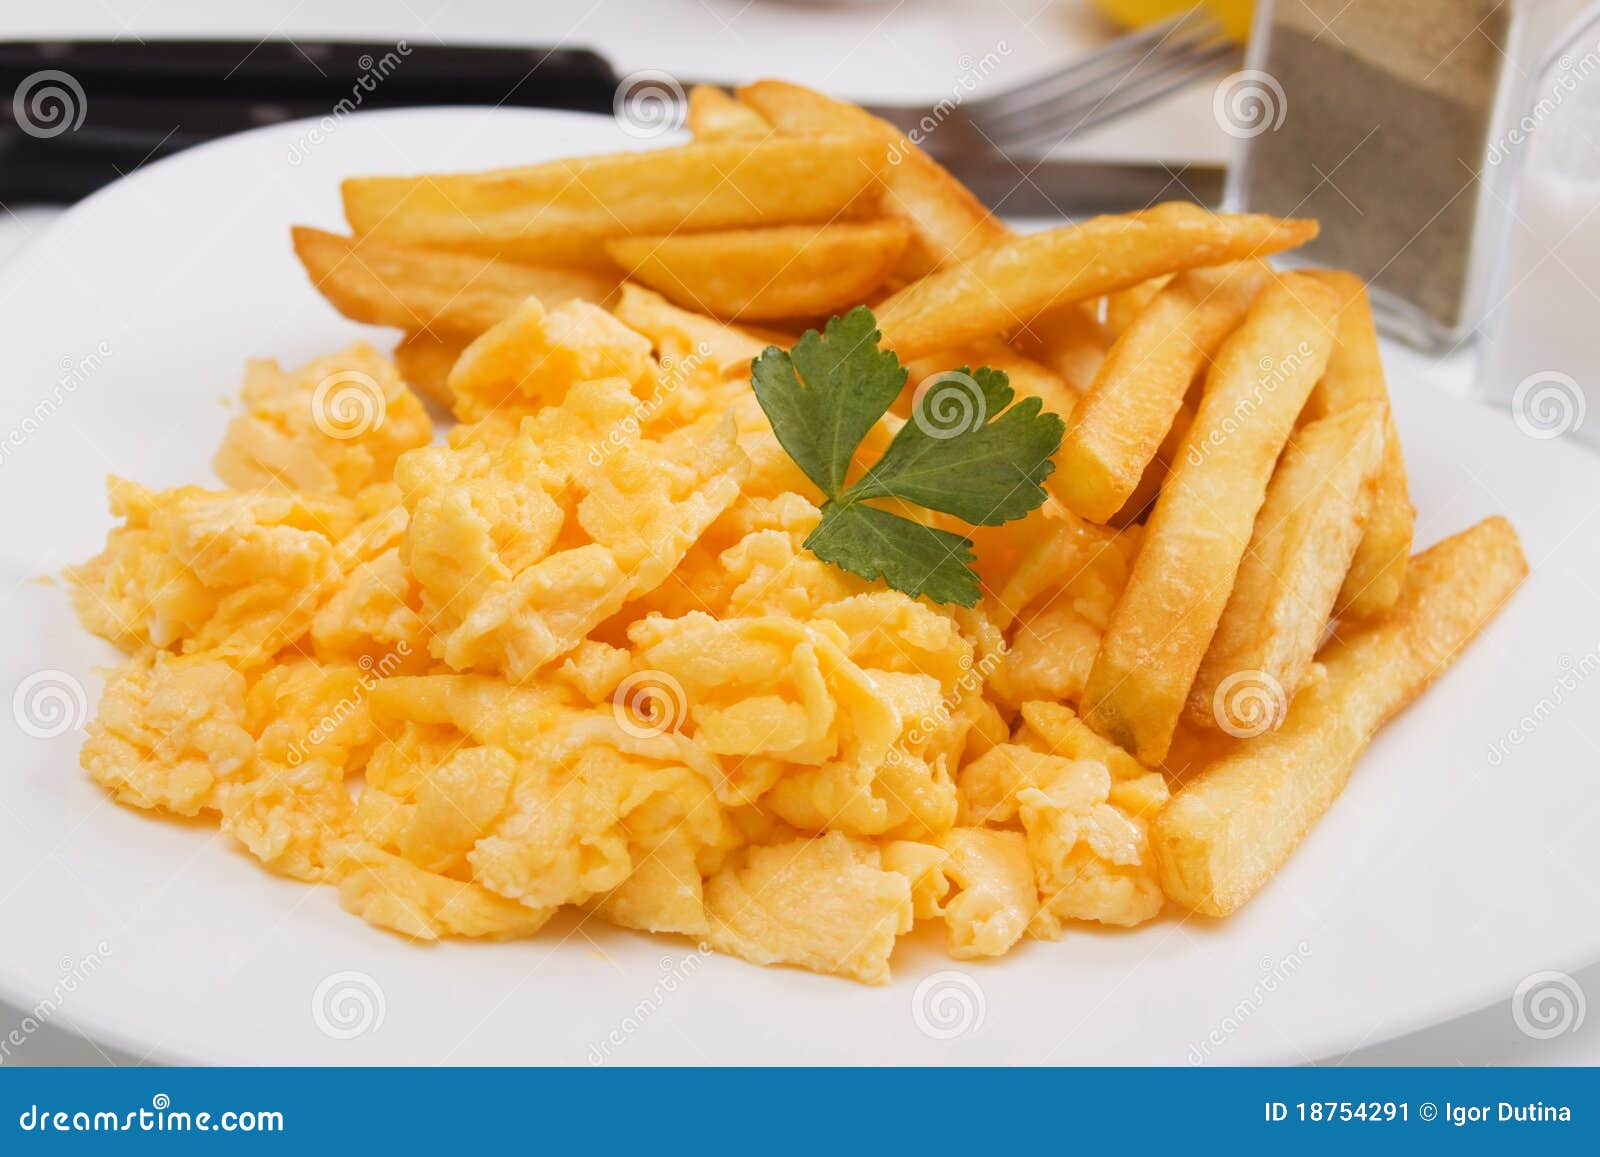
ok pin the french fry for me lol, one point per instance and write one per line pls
(1126, 304)
(1115, 434)
(1229, 830)
(1355, 375)
(560, 211)
(1069, 339)
(1202, 521)
(1028, 378)
(680, 334)
(1004, 287)
(760, 274)
(425, 360)
(1194, 749)
(1305, 536)
(1143, 498)
(421, 290)
(716, 116)
(949, 222)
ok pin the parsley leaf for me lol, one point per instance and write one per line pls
(955, 456)
(966, 451)
(907, 555)
(845, 384)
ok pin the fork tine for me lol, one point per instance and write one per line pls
(1174, 37)
(1154, 71)
(1172, 53)
(1056, 120)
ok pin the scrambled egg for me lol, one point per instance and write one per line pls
(355, 399)
(575, 654)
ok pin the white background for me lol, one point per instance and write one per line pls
(868, 50)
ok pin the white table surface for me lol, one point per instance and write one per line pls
(866, 49)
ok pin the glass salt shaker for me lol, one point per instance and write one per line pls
(1540, 351)
(1380, 119)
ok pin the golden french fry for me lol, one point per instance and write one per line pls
(1229, 830)
(558, 212)
(760, 274)
(949, 222)
(1069, 339)
(1113, 437)
(1004, 287)
(1143, 498)
(1202, 521)
(1305, 536)
(1354, 376)
(716, 116)
(449, 294)
(1126, 304)
(1193, 750)
(425, 360)
(680, 334)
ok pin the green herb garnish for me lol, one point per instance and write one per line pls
(966, 451)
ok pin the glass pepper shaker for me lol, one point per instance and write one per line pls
(1380, 119)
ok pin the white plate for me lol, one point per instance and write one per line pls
(1440, 881)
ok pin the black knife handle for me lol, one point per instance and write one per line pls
(75, 115)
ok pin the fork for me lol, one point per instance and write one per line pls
(1131, 72)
